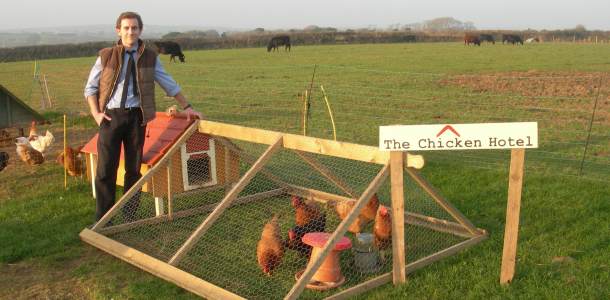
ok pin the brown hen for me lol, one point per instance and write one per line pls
(367, 214)
(383, 228)
(75, 164)
(28, 154)
(308, 218)
(270, 249)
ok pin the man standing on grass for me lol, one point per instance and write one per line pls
(121, 96)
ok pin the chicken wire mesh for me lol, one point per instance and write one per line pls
(257, 245)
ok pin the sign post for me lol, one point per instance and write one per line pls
(399, 274)
(516, 136)
(513, 207)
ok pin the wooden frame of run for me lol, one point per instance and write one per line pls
(393, 165)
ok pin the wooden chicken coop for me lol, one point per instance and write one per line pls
(201, 161)
(206, 242)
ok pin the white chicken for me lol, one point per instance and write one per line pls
(41, 143)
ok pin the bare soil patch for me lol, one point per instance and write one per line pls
(535, 83)
(561, 92)
(26, 280)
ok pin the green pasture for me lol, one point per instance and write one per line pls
(564, 242)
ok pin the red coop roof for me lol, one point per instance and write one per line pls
(161, 134)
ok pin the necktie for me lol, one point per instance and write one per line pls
(131, 72)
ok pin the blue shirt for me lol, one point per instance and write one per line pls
(161, 77)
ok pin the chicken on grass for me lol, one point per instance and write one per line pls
(367, 214)
(382, 229)
(40, 142)
(309, 217)
(75, 162)
(270, 249)
(27, 153)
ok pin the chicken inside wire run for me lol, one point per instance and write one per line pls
(309, 217)
(254, 247)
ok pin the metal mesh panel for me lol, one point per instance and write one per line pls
(268, 200)
(420, 240)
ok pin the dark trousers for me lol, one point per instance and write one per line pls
(124, 128)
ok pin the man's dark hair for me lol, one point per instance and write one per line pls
(129, 15)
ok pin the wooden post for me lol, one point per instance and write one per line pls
(305, 114)
(65, 154)
(227, 162)
(46, 87)
(398, 217)
(43, 103)
(515, 184)
(93, 165)
(159, 207)
(170, 204)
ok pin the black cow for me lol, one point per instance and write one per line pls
(280, 40)
(487, 38)
(511, 38)
(171, 48)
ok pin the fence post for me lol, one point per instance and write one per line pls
(65, 154)
(398, 217)
(513, 208)
(584, 154)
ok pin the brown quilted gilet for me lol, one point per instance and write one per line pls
(112, 61)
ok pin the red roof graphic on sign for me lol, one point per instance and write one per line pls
(161, 133)
(447, 127)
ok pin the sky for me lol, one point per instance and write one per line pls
(287, 14)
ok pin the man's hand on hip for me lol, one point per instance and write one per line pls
(99, 117)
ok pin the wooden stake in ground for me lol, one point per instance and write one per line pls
(330, 112)
(46, 88)
(398, 217)
(305, 112)
(65, 154)
(308, 100)
(513, 207)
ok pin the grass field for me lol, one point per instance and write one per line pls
(564, 242)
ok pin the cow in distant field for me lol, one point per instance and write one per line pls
(171, 48)
(280, 40)
(487, 38)
(511, 38)
(471, 39)
(532, 40)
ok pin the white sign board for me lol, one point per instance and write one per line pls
(458, 136)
